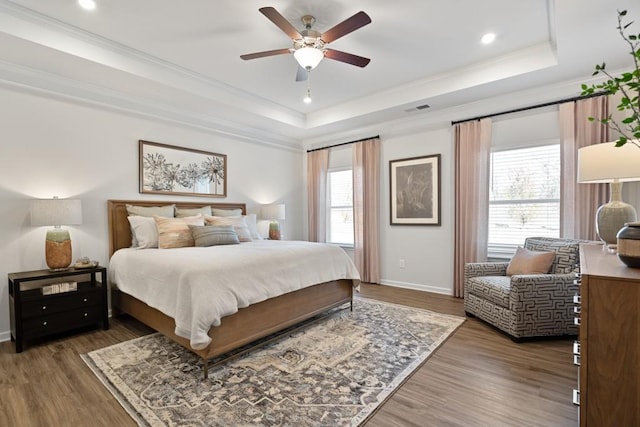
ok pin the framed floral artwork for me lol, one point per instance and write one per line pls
(167, 169)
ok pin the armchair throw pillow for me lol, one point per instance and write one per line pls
(530, 262)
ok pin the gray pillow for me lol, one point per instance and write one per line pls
(226, 212)
(212, 235)
(182, 212)
(165, 211)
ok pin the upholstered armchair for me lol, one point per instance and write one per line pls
(526, 305)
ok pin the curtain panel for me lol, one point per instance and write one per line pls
(579, 202)
(472, 161)
(366, 206)
(317, 167)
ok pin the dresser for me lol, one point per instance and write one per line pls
(609, 343)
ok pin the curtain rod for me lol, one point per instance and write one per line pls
(517, 110)
(342, 143)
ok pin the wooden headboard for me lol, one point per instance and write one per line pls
(120, 230)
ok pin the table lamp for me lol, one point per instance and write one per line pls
(606, 163)
(274, 213)
(57, 212)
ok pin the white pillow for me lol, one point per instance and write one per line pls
(144, 231)
(252, 223)
(238, 222)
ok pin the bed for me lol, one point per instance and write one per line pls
(248, 324)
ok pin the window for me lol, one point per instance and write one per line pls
(524, 199)
(340, 207)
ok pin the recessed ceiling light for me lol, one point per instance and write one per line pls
(87, 4)
(488, 38)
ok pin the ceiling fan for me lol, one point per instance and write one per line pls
(310, 46)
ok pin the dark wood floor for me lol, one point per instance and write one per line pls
(478, 377)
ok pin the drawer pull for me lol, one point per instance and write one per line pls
(576, 397)
(85, 300)
(86, 314)
(576, 359)
(44, 323)
(576, 321)
(44, 307)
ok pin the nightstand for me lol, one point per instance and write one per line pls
(47, 302)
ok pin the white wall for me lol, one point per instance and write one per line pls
(53, 147)
(427, 251)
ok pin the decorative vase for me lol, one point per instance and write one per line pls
(629, 244)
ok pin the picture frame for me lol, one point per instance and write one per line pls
(168, 169)
(415, 190)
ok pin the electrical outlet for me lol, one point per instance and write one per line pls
(401, 263)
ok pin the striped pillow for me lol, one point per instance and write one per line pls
(174, 232)
(238, 222)
(212, 235)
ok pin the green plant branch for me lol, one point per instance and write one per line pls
(628, 84)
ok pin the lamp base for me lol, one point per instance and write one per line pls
(611, 217)
(58, 249)
(274, 231)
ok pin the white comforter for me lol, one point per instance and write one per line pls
(198, 286)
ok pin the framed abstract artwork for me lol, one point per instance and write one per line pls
(415, 190)
(167, 169)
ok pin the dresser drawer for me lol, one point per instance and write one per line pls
(59, 322)
(60, 303)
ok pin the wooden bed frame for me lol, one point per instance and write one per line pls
(248, 324)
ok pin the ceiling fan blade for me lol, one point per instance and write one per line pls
(281, 22)
(265, 53)
(349, 58)
(302, 74)
(347, 26)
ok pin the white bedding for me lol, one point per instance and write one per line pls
(197, 286)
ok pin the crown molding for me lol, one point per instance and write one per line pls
(42, 83)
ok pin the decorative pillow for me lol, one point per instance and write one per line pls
(143, 231)
(238, 222)
(567, 253)
(148, 211)
(174, 232)
(211, 235)
(226, 212)
(252, 223)
(530, 262)
(183, 212)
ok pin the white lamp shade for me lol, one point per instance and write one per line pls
(56, 212)
(603, 163)
(273, 212)
(308, 57)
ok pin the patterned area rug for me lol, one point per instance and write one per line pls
(335, 371)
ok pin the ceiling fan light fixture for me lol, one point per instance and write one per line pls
(308, 57)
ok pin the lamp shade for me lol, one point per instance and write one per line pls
(273, 212)
(308, 57)
(605, 163)
(56, 212)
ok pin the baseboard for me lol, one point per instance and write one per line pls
(5, 336)
(417, 287)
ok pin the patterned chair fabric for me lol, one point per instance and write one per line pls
(526, 306)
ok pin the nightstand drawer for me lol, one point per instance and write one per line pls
(58, 322)
(61, 302)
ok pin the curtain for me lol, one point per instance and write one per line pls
(579, 202)
(366, 189)
(317, 166)
(472, 161)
